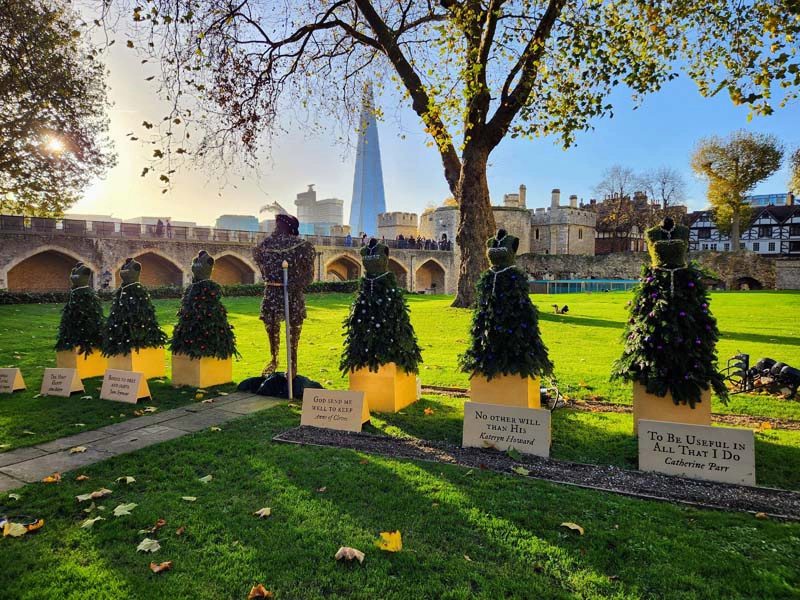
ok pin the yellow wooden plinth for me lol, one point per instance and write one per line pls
(92, 365)
(506, 390)
(658, 408)
(150, 361)
(389, 390)
(201, 372)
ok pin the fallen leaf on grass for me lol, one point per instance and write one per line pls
(434, 504)
(198, 396)
(90, 522)
(124, 509)
(101, 493)
(82, 478)
(521, 471)
(428, 411)
(322, 489)
(4, 446)
(390, 541)
(766, 425)
(138, 413)
(54, 478)
(761, 515)
(158, 568)
(262, 513)
(87, 398)
(489, 445)
(207, 401)
(150, 409)
(80, 424)
(14, 529)
(215, 428)
(15, 496)
(78, 450)
(347, 553)
(222, 393)
(126, 479)
(92, 506)
(363, 461)
(259, 591)
(573, 527)
(467, 558)
(180, 530)
(148, 545)
(189, 498)
(206, 479)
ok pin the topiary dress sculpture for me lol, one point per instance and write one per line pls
(202, 342)
(381, 352)
(670, 336)
(80, 332)
(133, 340)
(504, 337)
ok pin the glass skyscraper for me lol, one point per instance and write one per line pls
(368, 198)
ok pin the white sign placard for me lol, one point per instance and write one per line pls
(502, 427)
(713, 453)
(11, 381)
(334, 409)
(124, 386)
(61, 382)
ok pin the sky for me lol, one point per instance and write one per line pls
(661, 132)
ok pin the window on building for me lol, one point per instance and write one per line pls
(705, 246)
(704, 233)
(772, 246)
(536, 233)
(764, 231)
(794, 246)
(580, 234)
(794, 230)
(741, 245)
(727, 246)
(756, 246)
(713, 246)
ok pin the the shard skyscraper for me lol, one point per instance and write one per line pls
(368, 198)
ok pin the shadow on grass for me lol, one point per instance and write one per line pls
(582, 321)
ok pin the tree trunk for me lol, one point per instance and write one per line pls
(475, 224)
(735, 221)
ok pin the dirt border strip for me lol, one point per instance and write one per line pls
(748, 421)
(778, 504)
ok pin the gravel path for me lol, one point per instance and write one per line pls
(775, 503)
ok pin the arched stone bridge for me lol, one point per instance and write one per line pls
(37, 255)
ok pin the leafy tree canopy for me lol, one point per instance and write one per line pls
(794, 172)
(474, 71)
(52, 115)
(733, 166)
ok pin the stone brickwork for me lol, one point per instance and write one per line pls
(393, 224)
(787, 274)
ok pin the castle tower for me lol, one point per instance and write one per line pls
(368, 198)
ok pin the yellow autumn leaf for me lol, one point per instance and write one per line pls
(54, 478)
(262, 513)
(14, 529)
(77, 450)
(761, 516)
(428, 411)
(198, 396)
(766, 425)
(259, 591)
(390, 541)
(573, 527)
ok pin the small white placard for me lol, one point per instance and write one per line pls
(334, 409)
(61, 382)
(11, 381)
(712, 453)
(124, 386)
(502, 427)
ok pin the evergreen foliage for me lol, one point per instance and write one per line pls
(670, 337)
(505, 338)
(378, 330)
(203, 328)
(132, 322)
(81, 324)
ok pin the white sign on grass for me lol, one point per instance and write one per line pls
(504, 427)
(124, 386)
(61, 382)
(334, 409)
(713, 453)
(11, 381)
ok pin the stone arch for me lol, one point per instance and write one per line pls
(400, 272)
(342, 268)
(748, 283)
(231, 268)
(430, 277)
(157, 269)
(44, 268)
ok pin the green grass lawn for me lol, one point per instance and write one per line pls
(466, 534)
(583, 344)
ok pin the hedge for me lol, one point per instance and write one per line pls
(173, 291)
